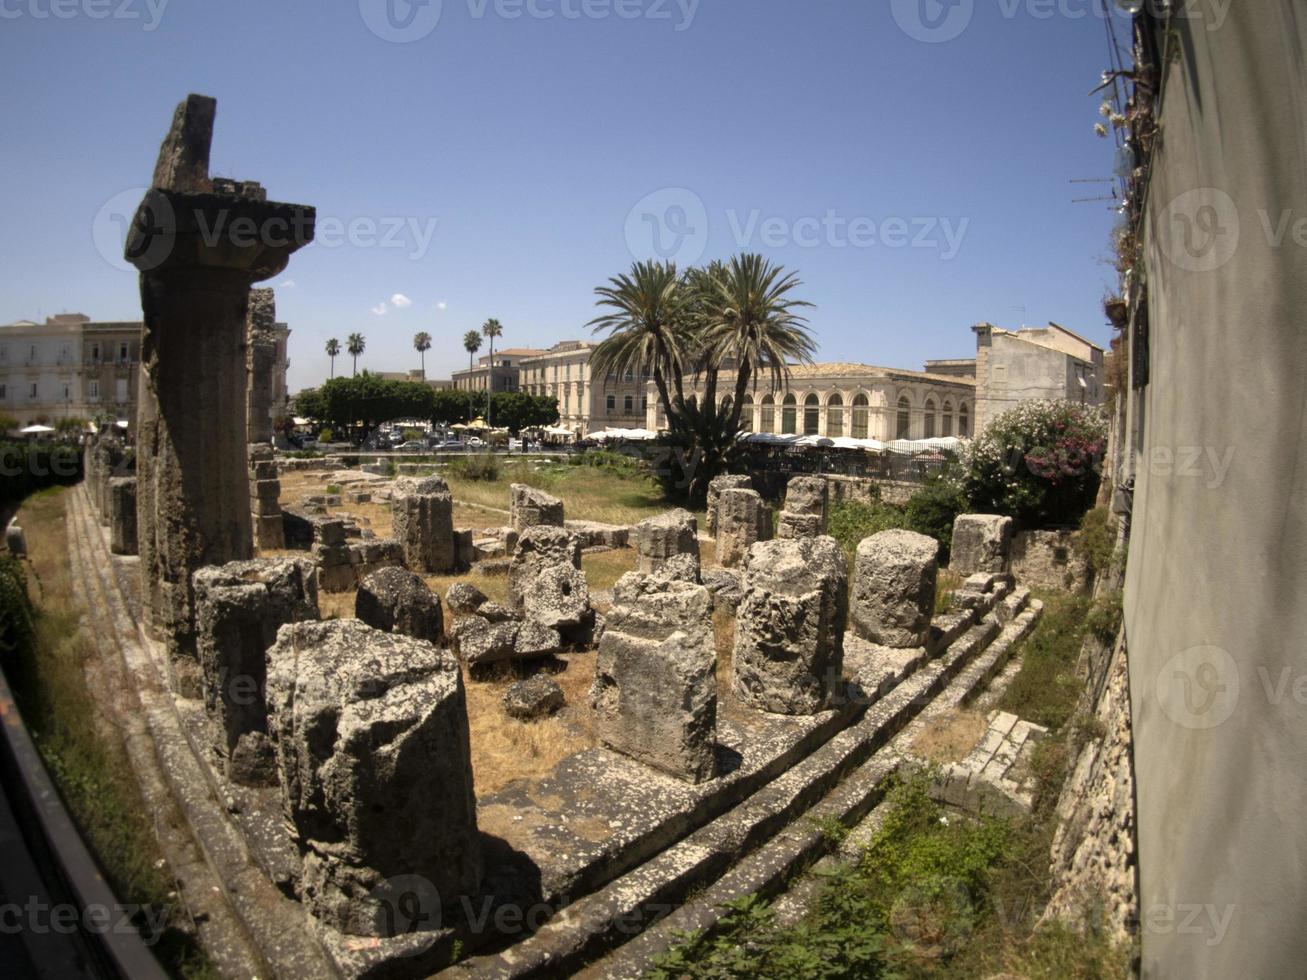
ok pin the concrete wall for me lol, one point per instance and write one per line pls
(1216, 588)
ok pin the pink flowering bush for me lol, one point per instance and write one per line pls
(1039, 462)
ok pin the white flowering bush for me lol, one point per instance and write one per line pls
(1039, 463)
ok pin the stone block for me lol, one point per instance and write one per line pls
(789, 632)
(395, 600)
(655, 689)
(808, 495)
(741, 516)
(659, 538)
(373, 750)
(122, 515)
(981, 543)
(727, 481)
(1049, 560)
(533, 698)
(240, 607)
(546, 549)
(894, 588)
(792, 525)
(464, 550)
(530, 507)
(423, 522)
(463, 597)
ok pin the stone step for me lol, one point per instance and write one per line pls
(771, 867)
(611, 915)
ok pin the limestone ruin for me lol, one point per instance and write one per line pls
(981, 543)
(659, 538)
(423, 519)
(530, 507)
(894, 588)
(807, 500)
(742, 521)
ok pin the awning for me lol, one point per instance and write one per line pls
(32, 430)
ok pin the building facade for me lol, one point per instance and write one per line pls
(858, 401)
(502, 375)
(1044, 363)
(585, 404)
(74, 367)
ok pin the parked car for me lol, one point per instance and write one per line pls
(475, 442)
(412, 446)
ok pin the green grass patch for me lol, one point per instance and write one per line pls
(45, 660)
(1046, 688)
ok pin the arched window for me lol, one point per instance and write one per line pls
(811, 415)
(930, 418)
(964, 421)
(768, 423)
(860, 416)
(835, 416)
(788, 415)
(948, 419)
(746, 414)
(903, 430)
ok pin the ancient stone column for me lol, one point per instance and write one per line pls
(199, 243)
(122, 515)
(260, 360)
(789, 630)
(531, 507)
(728, 481)
(375, 759)
(423, 519)
(807, 500)
(655, 688)
(741, 522)
(545, 582)
(894, 588)
(659, 538)
(239, 608)
(266, 521)
(981, 543)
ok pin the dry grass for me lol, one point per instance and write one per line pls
(950, 738)
(504, 749)
(946, 584)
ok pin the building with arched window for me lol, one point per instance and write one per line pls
(854, 400)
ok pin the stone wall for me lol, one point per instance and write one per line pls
(1049, 560)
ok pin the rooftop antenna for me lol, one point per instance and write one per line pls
(1022, 311)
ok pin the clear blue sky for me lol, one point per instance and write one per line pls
(526, 142)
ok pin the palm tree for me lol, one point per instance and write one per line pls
(333, 348)
(471, 344)
(492, 328)
(355, 344)
(646, 328)
(752, 320)
(422, 344)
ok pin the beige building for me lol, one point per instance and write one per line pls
(74, 367)
(1034, 363)
(859, 401)
(585, 404)
(501, 376)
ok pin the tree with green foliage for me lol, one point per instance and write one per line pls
(422, 344)
(492, 328)
(1039, 463)
(356, 344)
(333, 348)
(7, 423)
(698, 323)
(471, 344)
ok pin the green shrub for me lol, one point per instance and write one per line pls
(15, 609)
(333, 488)
(849, 522)
(482, 466)
(1046, 688)
(933, 509)
(325, 435)
(1097, 541)
(1038, 463)
(1105, 616)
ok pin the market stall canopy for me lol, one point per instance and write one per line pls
(478, 423)
(627, 435)
(908, 446)
(32, 430)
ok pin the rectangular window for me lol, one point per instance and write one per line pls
(32, 391)
(93, 392)
(95, 353)
(120, 394)
(4, 394)
(32, 354)
(67, 391)
(628, 403)
(122, 352)
(644, 404)
(612, 403)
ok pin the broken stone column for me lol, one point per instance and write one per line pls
(199, 243)
(423, 518)
(655, 688)
(239, 608)
(332, 555)
(789, 630)
(108, 455)
(374, 754)
(981, 543)
(659, 538)
(531, 507)
(260, 363)
(395, 600)
(122, 515)
(807, 499)
(266, 521)
(741, 522)
(894, 588)
(545, 583)
(728, 481)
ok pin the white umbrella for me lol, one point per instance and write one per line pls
(32, 430)
(122, 423)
